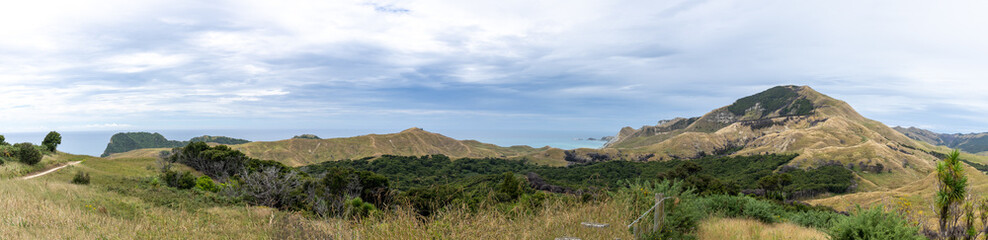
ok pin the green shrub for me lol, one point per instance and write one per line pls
(358, 208)
(27, 153)
(52, 140)
(816, 219)
(3, 141)
(183, 180)
(81, 178)
(742, 207)
(206, 184)
(874, 223)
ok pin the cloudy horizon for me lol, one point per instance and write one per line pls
(554, 65)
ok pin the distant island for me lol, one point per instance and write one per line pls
(125, 142)
(602, 139)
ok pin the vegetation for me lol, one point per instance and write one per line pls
(27, 153)
(480, 199)
(950, 195)
(3, 141)
(306, 136)
(81, 178)
(874, 223)
(52, 140)
(219, 140)
(735, 172)
(772, 100)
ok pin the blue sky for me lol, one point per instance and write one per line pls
(556, 65)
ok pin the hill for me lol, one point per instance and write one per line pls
(125, 142)
(784, 120)
(410, 142)
(970, 142)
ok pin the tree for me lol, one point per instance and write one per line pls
(951, 190)
(52, 140)
(3, 141)
(776, 183)
(27, 153)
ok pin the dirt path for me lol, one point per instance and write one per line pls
(49, 171)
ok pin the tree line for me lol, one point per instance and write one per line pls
(27, 152)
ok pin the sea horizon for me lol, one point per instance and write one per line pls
(94, 142)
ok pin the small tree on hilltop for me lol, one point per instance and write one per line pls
(3, 141)
(52, 140)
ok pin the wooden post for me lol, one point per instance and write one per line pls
(658, 210)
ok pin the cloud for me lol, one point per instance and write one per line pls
(594, 64)
(141, 62)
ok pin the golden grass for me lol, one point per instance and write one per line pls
(745, 229)
(11, 169)
(56, 209)
(49, 207)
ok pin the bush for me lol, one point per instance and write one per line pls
(816, 219)
(52, 140)
(27, 153)
(358, 208)
(81, 178)
(3, 141)
(742, 207)
(183, 180)
(874, 223)
(206, 184)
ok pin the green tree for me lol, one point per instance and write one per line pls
(52, 140)
(3, 141)
(27, 153)
(951, 190)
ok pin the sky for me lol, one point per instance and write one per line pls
(108, 65)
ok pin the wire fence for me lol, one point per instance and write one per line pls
(642, 225)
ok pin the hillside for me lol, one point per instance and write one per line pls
(783, 119)
(129, 141)
(410, 142)
(970, 142)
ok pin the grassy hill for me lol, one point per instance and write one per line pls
(410, 142)
(784, 119)
(971, 142)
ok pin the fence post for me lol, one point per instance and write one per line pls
(658, 208)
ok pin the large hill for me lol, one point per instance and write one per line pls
(783, 119)
(970, 142)
(410, 142)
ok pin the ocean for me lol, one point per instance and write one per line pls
(94, 142)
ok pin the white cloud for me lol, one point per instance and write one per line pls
(110, 60)
(141, 62)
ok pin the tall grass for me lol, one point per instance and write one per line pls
(732, 228)
(50, 207)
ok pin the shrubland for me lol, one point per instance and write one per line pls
(203, 191)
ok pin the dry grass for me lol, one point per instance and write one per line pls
(11, 169)
(50, 207)
(558, 219)
(729, 228)
(55, 210)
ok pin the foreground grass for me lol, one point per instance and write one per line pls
(120, 204)
(12, 168)
(731, 228)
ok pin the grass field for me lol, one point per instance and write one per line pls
(122, 203)
(747, 229)
(12, 168)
